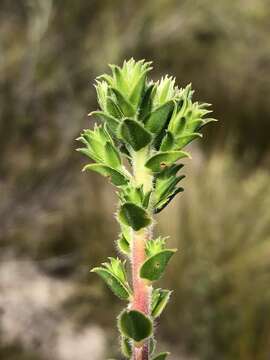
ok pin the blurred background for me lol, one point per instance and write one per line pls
(56, 223)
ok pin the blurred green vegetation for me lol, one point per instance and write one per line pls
(50, 53)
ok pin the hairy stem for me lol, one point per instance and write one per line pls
(141, 288)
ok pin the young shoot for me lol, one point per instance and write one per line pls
(146, 124)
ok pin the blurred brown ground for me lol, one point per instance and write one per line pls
(56, 222)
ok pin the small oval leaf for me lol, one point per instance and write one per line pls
(135, 325)
(113, 283)
(115, 176)
(163, 159)
(153, 268)
(134, 216)
(134, 134)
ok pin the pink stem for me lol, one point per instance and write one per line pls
(141, 288)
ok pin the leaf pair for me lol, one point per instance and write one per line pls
(100, 147)
(114, 275)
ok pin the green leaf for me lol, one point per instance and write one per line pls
(167, 142)
(116, 177)
(117, 268)
(163, 159)
(135, 325)
(183, 140)
(119, 79)
(177, 123)
(133, 194)
(166, 89)
(180, 125)
(88, 153)
(111, 155)
(158, 118)
(164, 202)
(154, 246)
(161, 356)
(96, 147)
(134, 216)
(123, 245)
(124, 104)
(134, 134)
(126, 347)
(117, 287)
(102, 93)
(165, 188)
(146, 199)
(105, 77)
(111, 121)
(153, 268)
(137, 90)
(160, 298)
(113, 108)
(146, 104)
(127, 232)
(170, 171)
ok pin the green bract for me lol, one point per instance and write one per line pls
(141, 132)
(135, 325)
(153, 268)
(114, 275)
(134, 216)
(160, 298)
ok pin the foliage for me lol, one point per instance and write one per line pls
(145, 124)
